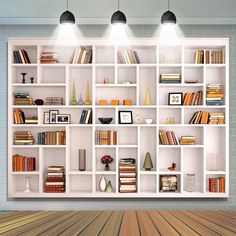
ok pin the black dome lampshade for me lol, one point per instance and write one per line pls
(67, 17)
(168, 17)
(118, 18)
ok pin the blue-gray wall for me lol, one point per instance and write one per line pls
(104, 204)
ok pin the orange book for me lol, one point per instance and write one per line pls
(102, 102)
(115, 102)
(127, 102)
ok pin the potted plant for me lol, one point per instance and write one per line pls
(106, 160)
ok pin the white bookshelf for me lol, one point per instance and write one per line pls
(133, 140)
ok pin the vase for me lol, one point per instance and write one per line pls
(107, 167)
(82, 159)
(27, 186)
(147, 100)
(109, 188)
(102, 184)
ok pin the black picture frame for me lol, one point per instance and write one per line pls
(52, 116)
(178, 97)
(125, 117)
(63, 119)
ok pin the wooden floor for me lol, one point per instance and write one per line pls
(112, 223)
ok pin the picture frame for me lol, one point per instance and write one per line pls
(125, 117)
(52, 116)
(63, 119)
(46, 118)
(169, 183)
(175, 99)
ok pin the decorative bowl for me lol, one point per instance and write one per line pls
(105, 120)
(148, 121)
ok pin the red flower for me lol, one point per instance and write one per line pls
(107, 159)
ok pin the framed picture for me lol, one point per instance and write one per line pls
(52, 116)
(46, 118)
(63, 119)
(168, 183)
(175, 99)
(125, 117)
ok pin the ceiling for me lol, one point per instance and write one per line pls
(100, 11)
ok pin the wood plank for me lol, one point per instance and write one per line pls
(14, 215)
(178, 225)
(61, 227)
(223, 218)
(29, 226)
(214, 227)
(113, 224)
(79, 226)
(97, 224)
(215, 220)
(226, 215)
(12, 224)
(161, 224)
(129, 225)
(146, 225)
(201, 229)
(38, 229)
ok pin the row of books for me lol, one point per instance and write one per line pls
(217, 184)
(204, 117)
(19, 118)
(81, 55)
(170, 78)
(127, 175)
(86, 117)
(104, 137)
(128, 56)
(168, 138)
(191, 99)
(55, 180)
(54, 101)
(52, 138)
(209, 57)
(22, 163)
(49, 58)
(21, 56)
(22, 99)
(214, 94)
(187, 140)
(23, 138)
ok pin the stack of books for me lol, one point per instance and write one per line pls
(86, 117)
(23, 99)
(168, 138)
(55, 181)
(170, 78)
(217, 184)
(106, 137)
(127, 177)
(81, 56)
(217, 118)
(23, 138)
(22, 163)
(199, 57)
(128, 56)
(214, 94)
(52, 138)
(191, 99)
(187, 140)
(215, 57)
(54, 101)
(19, 118)
(21, 56)
(49, 58)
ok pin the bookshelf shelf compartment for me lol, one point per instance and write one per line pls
(125, 81)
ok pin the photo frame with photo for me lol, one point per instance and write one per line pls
(46, 118)
(175, 99)
(52, 116)
(125, 117)
(63, 119)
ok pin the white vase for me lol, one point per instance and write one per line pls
(27, 186)
(102, 184)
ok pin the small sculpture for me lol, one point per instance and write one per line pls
(73, 100)
(31, 80)
(80, 101)
(27, 186)
(87, 97)
(147, 165)
(23, 79)
(147, 100)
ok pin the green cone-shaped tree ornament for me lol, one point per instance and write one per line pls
(73, 100)
(147, 165)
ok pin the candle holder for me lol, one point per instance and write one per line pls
(23, 79)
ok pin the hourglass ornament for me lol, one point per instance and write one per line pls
(31, 80)
(23, 79)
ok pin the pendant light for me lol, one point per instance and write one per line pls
(118, 17)
(168, 17)
(67, 17)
